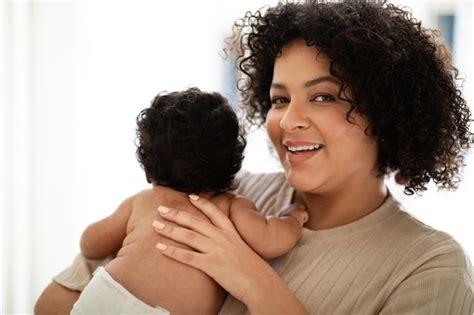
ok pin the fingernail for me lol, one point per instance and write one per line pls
(162, 209)
(161, 246)
(157, 224)
(194, 197)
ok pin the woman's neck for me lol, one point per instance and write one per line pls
(336, 208)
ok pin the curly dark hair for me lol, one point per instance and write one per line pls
(400, 77)
(190, 141)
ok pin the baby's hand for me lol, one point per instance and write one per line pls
(296, 211)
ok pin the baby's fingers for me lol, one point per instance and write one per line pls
(300, 215)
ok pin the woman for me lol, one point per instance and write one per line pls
(348, 92)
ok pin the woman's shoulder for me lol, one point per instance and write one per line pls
(431, 252)
(425, 260)
(245, 179)
(269, 191)
(246, 182)
(422, 234)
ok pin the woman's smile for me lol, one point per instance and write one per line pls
(300, 151)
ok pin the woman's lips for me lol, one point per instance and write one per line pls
(300, 157)
(298, 151)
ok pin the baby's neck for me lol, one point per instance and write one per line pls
(207, 195)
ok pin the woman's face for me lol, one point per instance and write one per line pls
(319, 149)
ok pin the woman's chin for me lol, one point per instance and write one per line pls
(308, 183)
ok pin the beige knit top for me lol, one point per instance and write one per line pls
(387, 262)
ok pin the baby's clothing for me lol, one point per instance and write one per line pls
(103, 295)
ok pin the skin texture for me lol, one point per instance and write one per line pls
(56, 300)
(226, 246)
(306, 107)
(222, 254)
(128, 231)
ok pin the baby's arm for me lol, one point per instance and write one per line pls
(105, 237)
(268, 236)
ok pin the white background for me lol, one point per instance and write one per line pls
(73, 77)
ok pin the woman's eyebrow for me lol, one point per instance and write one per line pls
(322, 79)
(279, 86)
(310, 83)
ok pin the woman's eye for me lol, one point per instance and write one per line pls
(322, 98)
(279, 100)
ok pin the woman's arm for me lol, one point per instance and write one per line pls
(223, 255)
(61, 294)
(99, 240)
(105, 237)
(55, 300)
(269, 236)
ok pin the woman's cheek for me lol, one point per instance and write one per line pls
(274, 131)
(272, 125)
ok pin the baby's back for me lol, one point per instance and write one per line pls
(154, 278)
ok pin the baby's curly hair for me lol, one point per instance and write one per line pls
(400, 77)
(190, 141)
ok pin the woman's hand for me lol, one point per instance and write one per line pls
(220, 251)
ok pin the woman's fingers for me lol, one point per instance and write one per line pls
(187, 219)
(217, 217)
(183, 235)
(185, 256)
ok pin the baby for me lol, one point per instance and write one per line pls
(188, 143)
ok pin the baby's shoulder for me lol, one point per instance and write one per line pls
(223, 201)
(227, 201)
(142, 197)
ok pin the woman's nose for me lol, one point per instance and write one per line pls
(294, 118)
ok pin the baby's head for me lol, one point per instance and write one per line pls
(190, 141)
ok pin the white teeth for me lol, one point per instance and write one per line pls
(304, 148)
